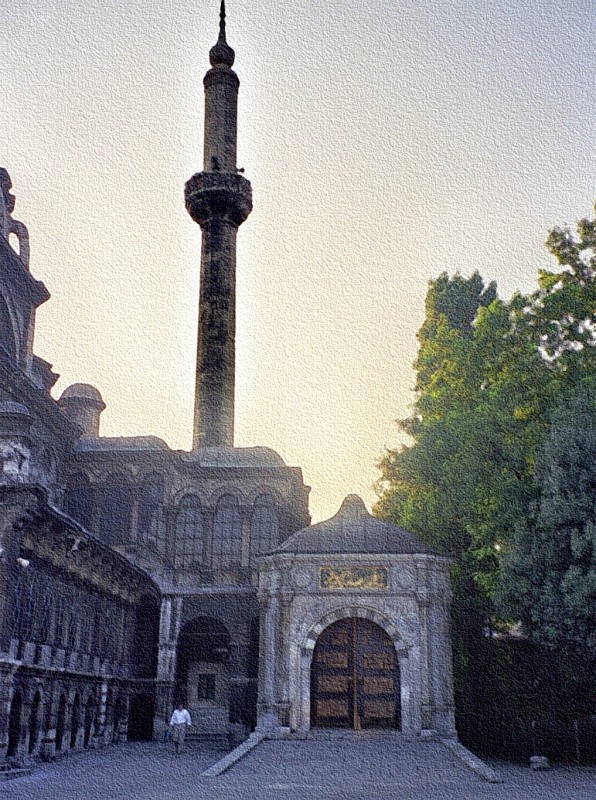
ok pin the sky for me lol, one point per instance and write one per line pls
(386, 142)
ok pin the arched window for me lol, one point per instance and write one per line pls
(78, 499)
(227, 532)
(114, 527)
(188, 533)
(150, 525)
(264, 525)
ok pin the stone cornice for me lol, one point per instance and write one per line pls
(60, 541)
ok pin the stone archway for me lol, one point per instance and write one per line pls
(355, 677)
(61, 723)
(140, 719)
(202, 673)
(302, 713)
(14, 724)
(75, 721)
(89, 721)
(34, 722)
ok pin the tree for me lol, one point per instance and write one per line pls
(565, 304)
(483, 396)
(550, 572)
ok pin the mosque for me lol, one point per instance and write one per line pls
(134, 576)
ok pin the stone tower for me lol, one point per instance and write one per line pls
(219, 199)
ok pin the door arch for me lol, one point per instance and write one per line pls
(34, 722)
(61, 723)
(140, 720)
(14, 724)
(74, 721)
(89, 727)
(354, 677)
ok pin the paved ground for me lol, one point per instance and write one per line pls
(348, 767)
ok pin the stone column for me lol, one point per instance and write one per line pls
(169, 627)
(425, 666)
(239, 683)
(101, 714)
(282, 666)
(267, 714)
(7, 671)
(442, 659)
(303, 712)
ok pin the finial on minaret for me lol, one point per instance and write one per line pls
(222, 54)
(222, 21)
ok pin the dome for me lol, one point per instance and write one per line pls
(81, 391)
(123, 444)
(246, 457)
(353, 530)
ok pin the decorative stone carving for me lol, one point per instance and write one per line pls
(405, 578)
(15, 459)
(302, 577)
(9, 225)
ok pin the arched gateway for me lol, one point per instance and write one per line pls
(355, 677)
(355, 630)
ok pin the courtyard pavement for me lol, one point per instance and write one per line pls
(351, 766)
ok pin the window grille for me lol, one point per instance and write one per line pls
(150, 526)
(188, 533)
(78, 499)
(264, 526)
(115, 519)
(227, 532)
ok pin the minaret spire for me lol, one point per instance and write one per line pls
(222, 22)
(222, 54)
(219, 200)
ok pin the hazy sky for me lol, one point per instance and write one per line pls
(385, 142)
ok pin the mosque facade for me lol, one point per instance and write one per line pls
(134, 576)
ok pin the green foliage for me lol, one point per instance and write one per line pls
(550, 574)
(566, 300)
(483, 391)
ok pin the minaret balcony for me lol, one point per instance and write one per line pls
(217, 195)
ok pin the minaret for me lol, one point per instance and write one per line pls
(219, 199)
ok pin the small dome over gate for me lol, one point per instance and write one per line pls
(354, 530)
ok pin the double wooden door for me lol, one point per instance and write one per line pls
(355, 677)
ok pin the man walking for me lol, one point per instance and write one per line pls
(178, 724)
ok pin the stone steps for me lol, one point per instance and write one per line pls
(10, 774)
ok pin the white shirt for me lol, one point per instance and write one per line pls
(180, 717)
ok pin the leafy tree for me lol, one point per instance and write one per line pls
(483, 395)
(550, 572)
(565, 304)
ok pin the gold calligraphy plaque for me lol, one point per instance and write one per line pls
(353, 577)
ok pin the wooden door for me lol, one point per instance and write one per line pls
(354, 677)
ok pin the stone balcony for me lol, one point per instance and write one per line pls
(218, 195)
